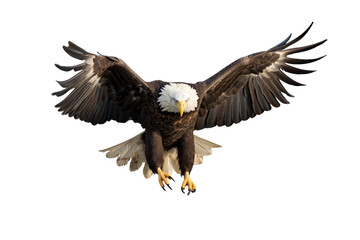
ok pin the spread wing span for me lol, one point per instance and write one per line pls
(251, 85)
(104, 89)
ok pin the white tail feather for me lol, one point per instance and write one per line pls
(134, 150)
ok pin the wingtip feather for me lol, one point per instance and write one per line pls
(282, 47)
(62, 68)
(282, 43)
(75, 51)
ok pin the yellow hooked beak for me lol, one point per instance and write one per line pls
(181, 106)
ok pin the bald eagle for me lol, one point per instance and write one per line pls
(107, 89)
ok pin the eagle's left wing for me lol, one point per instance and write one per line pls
(250, 85)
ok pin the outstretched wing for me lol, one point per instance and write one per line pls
(251, 85)
(104, 89)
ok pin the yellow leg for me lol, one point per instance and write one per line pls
(163, 178)
(188, 182)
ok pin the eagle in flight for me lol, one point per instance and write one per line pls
(107, 89)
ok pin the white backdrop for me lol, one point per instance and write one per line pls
(291, 173)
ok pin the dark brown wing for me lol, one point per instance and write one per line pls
(104, 89)
(251, 85)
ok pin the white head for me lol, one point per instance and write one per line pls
(178, 98)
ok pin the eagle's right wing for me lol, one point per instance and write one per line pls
(105, 89)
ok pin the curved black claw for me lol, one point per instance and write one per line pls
(163, 179)
(191, 191)
(189, 183)
(171, 178)
(163, 187)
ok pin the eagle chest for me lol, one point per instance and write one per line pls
(171, 123)
(172, 126)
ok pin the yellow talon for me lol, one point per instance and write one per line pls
(188, 182)
(163, 177)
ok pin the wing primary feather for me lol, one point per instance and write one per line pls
(88, 101)
(228, 112)
(67, 105)
(98, 115)
(249, 106)
(76, 51)
(294, 40)
(60, 93)
(291, 69)
(243, 105)
(78, 97)
(220, 119)
(260, 97)
(302, 61)
(287, 79)
(235, 108)
(282, 43)
(303, 49)
(90, 110)
(274, 90)
(255, 102)
(71, 81)
(277, 85)
(69, 68)
(267, 93)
